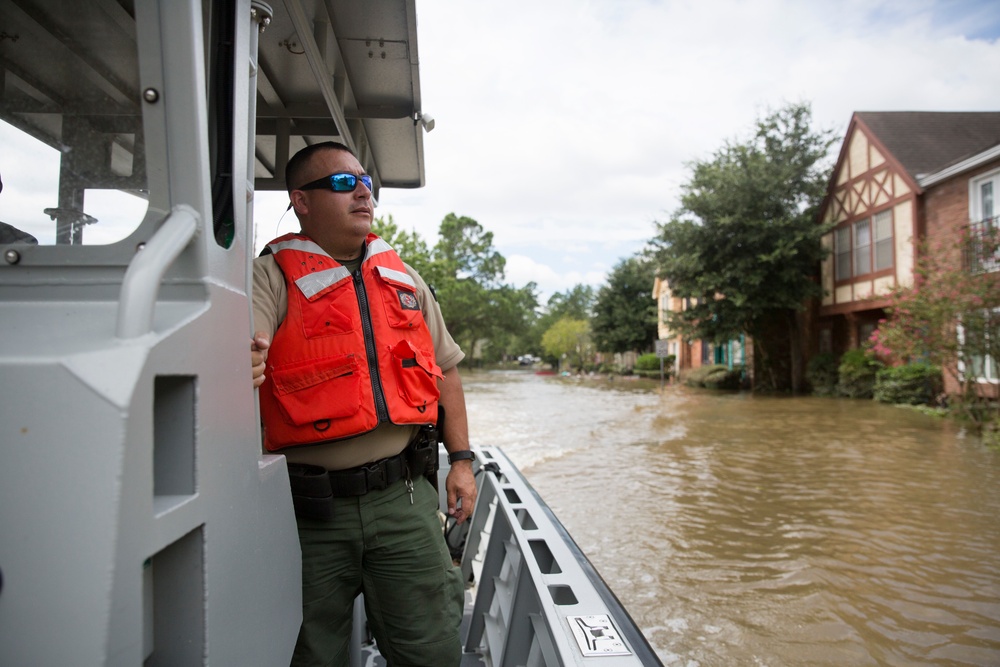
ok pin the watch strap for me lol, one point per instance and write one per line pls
(462, 455)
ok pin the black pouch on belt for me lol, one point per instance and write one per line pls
(312, 496)
(422, 455)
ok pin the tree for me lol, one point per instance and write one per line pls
(465, 271)
(575, 303)
(569, 339)
(745, 243)
(410, 246)
(949, 317)
(624, 313)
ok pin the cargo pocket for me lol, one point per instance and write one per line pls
(304, 390)
(416, 375)
(329, 316)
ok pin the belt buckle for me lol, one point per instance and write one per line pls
(375, 475)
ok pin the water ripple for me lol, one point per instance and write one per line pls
(766, 531)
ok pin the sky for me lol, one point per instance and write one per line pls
(567, 127)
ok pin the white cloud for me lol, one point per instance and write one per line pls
(566, 129)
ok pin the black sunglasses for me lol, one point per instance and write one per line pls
(342, 182)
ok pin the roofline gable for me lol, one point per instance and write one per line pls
(858, 124)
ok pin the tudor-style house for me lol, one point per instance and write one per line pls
(901, 177)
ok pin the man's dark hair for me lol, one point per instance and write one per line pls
(297, 164)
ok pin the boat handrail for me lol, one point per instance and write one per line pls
(539, 600)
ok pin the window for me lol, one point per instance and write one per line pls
(865, 331)
(984, 225)
(72, 144)
(979, 340)
(842, 248)
(883, 240)
(825, 341)
(864, 246)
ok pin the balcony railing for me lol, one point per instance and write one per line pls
(982, 254)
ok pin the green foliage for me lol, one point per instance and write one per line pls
(715, 376)
(648, 365)
(856, 373)
(823, 375)
(745, 242)
(949, 317)
(624, 314)
(569, 339)
(466, 273)
(648, 362)
(411, 248)
(576, 304)
(909, 384)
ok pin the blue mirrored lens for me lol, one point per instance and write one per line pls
(347, 182)
(343, 182)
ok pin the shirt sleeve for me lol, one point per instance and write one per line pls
(447, 353)
(270, 295)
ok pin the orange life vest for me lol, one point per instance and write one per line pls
(353, 351)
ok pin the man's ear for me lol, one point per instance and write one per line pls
(298, 202)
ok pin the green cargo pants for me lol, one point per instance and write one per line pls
(395, 553)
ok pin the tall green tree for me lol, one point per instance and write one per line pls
(568, 341)
(465, 270)
(624, 317)
(575, 303)
(466, 273)
(411, 246)
(745, 242)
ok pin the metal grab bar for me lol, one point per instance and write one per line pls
(146, 270)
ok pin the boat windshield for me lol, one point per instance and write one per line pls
(72, 163)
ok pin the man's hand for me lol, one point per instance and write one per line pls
(461, 485)
(258, 356)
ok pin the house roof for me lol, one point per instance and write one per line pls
(924, 142)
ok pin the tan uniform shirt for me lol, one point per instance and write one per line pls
(270, 305)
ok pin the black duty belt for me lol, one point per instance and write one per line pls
(313, 487)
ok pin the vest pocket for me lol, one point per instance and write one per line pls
(416, 375)
(402, 309)
(328, 316)
(317, 390)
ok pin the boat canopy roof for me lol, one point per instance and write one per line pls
(342, 71)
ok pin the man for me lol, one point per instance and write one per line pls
(353, 373)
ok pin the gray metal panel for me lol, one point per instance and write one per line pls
(367, 53)
(367, 58)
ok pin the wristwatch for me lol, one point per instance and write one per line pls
(461, 455)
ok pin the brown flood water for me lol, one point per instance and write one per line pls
(765, 531)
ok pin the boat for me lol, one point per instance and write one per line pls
(140, 522)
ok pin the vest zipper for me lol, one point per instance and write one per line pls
(381, 410)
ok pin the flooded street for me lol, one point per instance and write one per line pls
(742, 530)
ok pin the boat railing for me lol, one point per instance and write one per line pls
(538, 600)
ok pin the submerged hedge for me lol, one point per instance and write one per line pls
(910, 384)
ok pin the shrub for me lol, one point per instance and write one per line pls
(648, 366)
(716, 376)
(856, 374)
(822, 374)
(648, 362)
(910, 384)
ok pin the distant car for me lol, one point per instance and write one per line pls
(527, 359)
